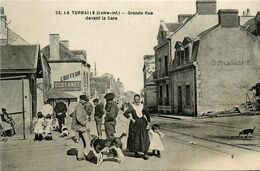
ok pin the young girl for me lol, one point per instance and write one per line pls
(39, 126)
(156, 144)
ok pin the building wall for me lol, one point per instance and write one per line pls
(222, 85)
(181, 79)
(161, 72)
(59, 70)
(150, 97)
(11, 99)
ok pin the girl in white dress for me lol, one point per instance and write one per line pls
(39, 126)
(156, 144)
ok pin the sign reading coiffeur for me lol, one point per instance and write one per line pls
(69, 76)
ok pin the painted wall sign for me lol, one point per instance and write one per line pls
(68, 85)
(229, 62)
(69, 76)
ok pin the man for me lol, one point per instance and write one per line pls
(98, 115)
(79, 121)
(111, 114)
(47, 111)
(60, 110)
(257, 94)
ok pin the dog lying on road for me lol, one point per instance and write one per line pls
(101, 146)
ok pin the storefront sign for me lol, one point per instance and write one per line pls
(68, 85)
(230, 62)
(69, 76)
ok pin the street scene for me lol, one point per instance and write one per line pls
(156, 85)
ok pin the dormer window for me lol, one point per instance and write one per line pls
(186, 54)
(179, 53)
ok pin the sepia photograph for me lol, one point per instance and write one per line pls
(129, 85)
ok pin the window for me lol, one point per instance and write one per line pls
(166, 64)
(182, 57)
(167, 95)
(178, 57)
(160, 96)
(159, 66)
(186, 54)
(188, 96)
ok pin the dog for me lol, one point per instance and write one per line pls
(247, 131)
(106, 146)
(64, 131)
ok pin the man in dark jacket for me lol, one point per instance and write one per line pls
(99, 111)
(111, 114)
(79, 121)
(60, 109)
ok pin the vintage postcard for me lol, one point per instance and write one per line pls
(130, 85)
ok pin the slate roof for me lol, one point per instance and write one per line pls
(19, 58)
(172, 27)
(65, 54)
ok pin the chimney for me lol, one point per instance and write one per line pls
(182, 17)
(54, 47)
(65, 43)
(206, 7)
(228, 17)
(2, 14)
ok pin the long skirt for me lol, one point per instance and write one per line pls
(138, 137)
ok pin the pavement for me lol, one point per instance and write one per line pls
(190, 144)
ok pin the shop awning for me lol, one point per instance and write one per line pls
(57, 94)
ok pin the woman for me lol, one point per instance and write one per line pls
(138, 137)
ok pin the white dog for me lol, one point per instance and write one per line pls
(64, 131)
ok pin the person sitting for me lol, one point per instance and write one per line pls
(7, 124)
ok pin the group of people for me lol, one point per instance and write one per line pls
(141, 136)
(46, 117)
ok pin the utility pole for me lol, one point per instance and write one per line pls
(95, 72)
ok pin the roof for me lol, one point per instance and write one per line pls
(250, 25)
(19, 58)
(206, 32)
(58, 94)
(172, 27)
(65, 54)
(182, 24)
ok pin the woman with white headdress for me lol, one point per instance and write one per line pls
(138, 137)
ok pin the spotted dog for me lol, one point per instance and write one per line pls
(108, 146)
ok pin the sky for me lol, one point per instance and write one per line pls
(117, 46)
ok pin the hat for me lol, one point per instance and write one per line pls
(109, 96)
(95, 100)
(83, 97)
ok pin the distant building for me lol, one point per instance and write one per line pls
(100, 85)
(149, 84)
(222, 63)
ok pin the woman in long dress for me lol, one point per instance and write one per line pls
(138, 137)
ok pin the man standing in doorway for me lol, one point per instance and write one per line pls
(111, 114)
(79, 121)
(99, 111)
(60, 110)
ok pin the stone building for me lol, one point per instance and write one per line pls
(149, 84)
(70, 70)
(214, 70)
(188, 25)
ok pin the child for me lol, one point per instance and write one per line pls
(155, 140)
(38, 130)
